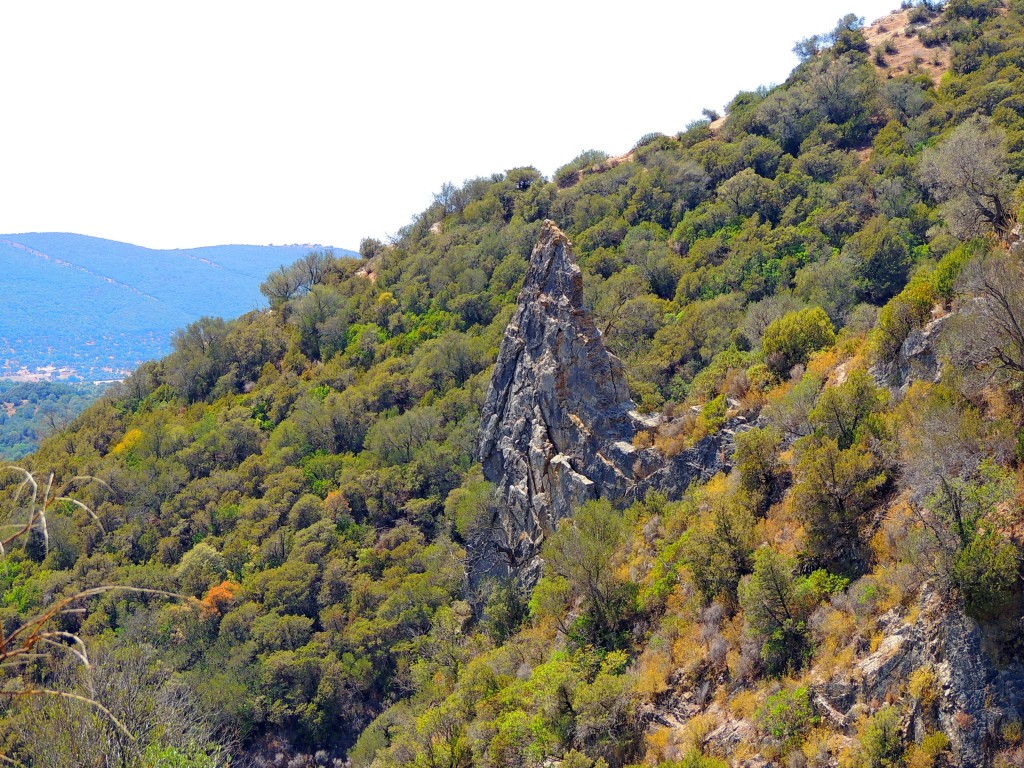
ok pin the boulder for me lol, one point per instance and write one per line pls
(917, 360)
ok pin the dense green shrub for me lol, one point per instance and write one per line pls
(906, 311)
(787, 715)
(790, 340)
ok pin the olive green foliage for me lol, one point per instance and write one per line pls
(584, 161)
(930, 752)
(581, 552)
(948, 270)
(200, 568)
(172, 757)
(881, 256)
(32, 410)
(840, 468)
(756, 460)
(791, 339)
(833, 492)
(908, 310)
(986, 572)
(787, 715)
(879, 742)
(846, 412)
(306, 476)
(777, 604)
(949, 455)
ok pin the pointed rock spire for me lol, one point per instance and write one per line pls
(556, 427)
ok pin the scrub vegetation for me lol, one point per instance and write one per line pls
(303, 478)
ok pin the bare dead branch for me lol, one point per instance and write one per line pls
(74, 697)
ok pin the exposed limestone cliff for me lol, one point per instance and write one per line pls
(557, 428)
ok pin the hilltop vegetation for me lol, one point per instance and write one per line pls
(306, 478)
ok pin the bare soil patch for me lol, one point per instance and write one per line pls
(911, 54)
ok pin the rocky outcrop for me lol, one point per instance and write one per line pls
(972, 696)
(959, 689)
(917, 360)
(557, 426)
(697, 464)
(558, 423)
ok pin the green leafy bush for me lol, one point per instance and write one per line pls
(880, 742)
(791, 339)
(787, 715)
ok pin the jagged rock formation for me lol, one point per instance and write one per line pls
(557, 426)
(558, 422)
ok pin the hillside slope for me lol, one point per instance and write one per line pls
(808, 554)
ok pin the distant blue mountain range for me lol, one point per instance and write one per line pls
(101, 307)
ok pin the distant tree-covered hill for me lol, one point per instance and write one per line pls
(29, 410)
(102, 307)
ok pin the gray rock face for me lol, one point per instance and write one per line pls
(969, 698)
(698, 464)
(973, 695)
(558, 423)
(556, 428)
(917, 359)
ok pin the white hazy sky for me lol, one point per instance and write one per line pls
(180, 124)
